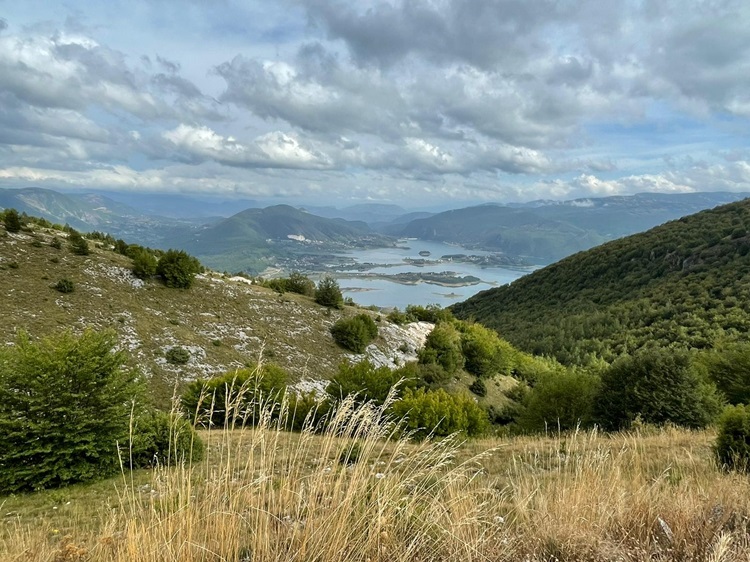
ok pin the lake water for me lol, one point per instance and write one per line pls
(384, 293)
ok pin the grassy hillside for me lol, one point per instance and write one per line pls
(224, 322)
(682, 284)
(267, 495)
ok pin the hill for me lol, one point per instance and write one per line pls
(683, 284)
(546, 231)
(223, 322)
(253, 239)
(90, 212)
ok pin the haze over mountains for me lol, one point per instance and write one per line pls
(240, 235)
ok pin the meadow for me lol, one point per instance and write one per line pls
(361, 490)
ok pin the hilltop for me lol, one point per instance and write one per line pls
(224, 322)
(256, 238)
(682, 284)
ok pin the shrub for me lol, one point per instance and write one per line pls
(485, 352)
(65, 402)
(365, 380)
(166, 439)
(56, 243)
(12, 220)
(177, 355)
(78, 244)
(436, 412)
(561, 401)
(659, 385)
(65, 285)
(144, 264)
(355, 333)
(478, 387)
(178, 269)
(234, 397)
(300, 284)
(328, 293)
(443, 346)
(732, 447)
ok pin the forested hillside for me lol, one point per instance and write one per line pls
(683, 284)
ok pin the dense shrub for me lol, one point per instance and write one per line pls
(144, 264)
(300, 284)
(486, 354)
(436, 412)
(729, 368)
(12, 220)
(659, 385)
(560, 401)
(165, 439)
(443, 347)
(178, 269)
(56, 243)
(177, 355)
(235, 397)
(78, 244)
(307, 409)
(328, 293)
(65, 285)
(733, 440)
(367, 381)
(355, 333)
(478, 387)
(65, 403)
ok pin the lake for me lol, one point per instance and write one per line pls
(385, 293)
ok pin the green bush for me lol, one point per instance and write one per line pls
(486, 354)
(12, 220)
(144, 264)
(560, 401)
(300, 284)
(165, 439)
(328, 293)
(65, 285)
(659, 385)
(729, 368)
(478, 387)
(234, 397)
(732, 446)
(443, 347)
(78, 244)
(56, 243)
(366, 381)
(438, 413)
(177, 355)
(355, 333)
(65, 403)
(178, 269)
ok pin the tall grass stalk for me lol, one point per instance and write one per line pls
(356, 489)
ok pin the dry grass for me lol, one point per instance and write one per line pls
(264, 494)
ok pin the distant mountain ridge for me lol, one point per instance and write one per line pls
(253, 235)
(685, 283)
(546, 231)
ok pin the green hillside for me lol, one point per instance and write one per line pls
(251, 239)
(683, 284)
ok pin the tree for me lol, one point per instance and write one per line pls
(301, 284)
(443, 347)
(78, 244)
(365, 380)
(659, 385)
(12, 220)
(178, 269)
(355, 333)
(486, 354)
(436, 412)
(65, 404)
(732, 447)
(144, 264)
(563, 401)
(328, 293)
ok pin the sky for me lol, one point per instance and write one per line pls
(418, 103)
